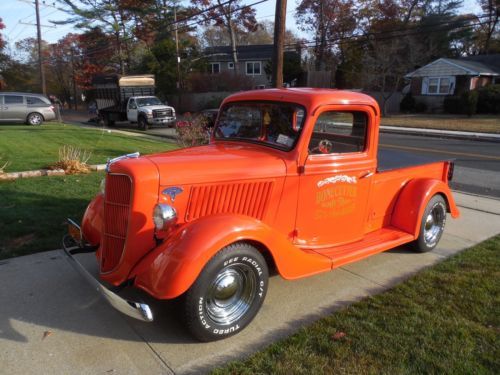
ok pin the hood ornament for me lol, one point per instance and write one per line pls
(133, 155)
(172, 192)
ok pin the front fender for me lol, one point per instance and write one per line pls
(413, 199)
(92, 222)
(171, 268)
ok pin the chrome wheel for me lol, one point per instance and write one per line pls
(231, 294)
(35, 119)
(434, 223)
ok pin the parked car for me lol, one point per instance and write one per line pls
(292, 180)
(32, 109)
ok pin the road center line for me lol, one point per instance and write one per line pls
(481, 156)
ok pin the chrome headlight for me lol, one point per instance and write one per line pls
(164, 216)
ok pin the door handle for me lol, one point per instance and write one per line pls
(366, 174)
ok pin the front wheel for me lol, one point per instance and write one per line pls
(227, 294)
(432, 225)
(34, 119)
(142, 123)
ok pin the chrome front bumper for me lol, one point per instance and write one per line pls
(135, 310)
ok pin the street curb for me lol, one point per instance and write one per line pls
(134, 133)
(482, 137)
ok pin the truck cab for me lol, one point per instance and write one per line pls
(149, 110)
(292, 180)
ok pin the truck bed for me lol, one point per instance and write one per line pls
(389, 160)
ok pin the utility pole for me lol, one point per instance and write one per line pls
(177, 49)
(279, 41)
(40, 54)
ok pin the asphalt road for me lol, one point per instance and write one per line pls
(477, 163)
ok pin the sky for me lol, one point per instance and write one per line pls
(15, 13)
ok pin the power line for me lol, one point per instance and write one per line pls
(418, 28)
(363, 38)
(94, 51)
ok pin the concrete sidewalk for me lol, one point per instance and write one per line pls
(51, 321)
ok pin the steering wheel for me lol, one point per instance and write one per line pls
(324, 146)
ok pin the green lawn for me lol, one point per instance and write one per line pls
(28, 147)
(444, 320)
(33, 210)
(476, 123)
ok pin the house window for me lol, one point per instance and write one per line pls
(253, 68)
(230, 65)
(215, 68)
(438, 85)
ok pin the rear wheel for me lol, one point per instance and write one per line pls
(34, 119)
(432, 225)
(227, 294)
(107, 120)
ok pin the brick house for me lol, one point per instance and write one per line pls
(433, 82)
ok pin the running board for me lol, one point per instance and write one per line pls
(372, 243)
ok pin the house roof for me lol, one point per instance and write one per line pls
(484, 65)
(253, 52)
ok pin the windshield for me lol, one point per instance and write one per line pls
(152, 100)
(274, 124)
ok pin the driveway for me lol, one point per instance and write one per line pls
(51, 321)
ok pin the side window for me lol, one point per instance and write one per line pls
(132, 105)
(13, 99)
(339, 133)
(32, 100)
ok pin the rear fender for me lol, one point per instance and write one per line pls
(413, 199)
(171, 268)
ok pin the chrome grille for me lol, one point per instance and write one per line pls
(159, 113)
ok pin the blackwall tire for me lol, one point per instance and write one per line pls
(227, 294)
(142, 123)
(34, 119)
(107, 121)
(432, 225)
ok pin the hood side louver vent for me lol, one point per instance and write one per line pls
(249, 198)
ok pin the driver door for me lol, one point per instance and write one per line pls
(132, 110)
(336, 180)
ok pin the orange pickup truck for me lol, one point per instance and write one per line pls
(292, 180)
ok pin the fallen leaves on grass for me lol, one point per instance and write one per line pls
(18, 242)
(339, 335)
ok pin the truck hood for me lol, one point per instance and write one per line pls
(218, 162)
(153, 107)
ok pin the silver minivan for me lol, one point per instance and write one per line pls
(32, 109)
